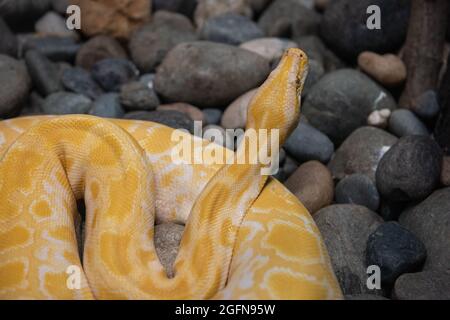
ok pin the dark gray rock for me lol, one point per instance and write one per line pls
(403, 123)
(342, 101)
(230, 28)
(427, 105)
(410, 170)
(55, 48)
(60, 6)
(212, 116)
(361, 152)
(80, 81)
(358, 189)
(138, 96)
(426, 285)
(192, 73)
(345, 230)
(8, 41)
(173, 119)
(344, 27)
(15, 84)
(430, 222)
(54, 24)
(99, 48)
(43, 72)
(20, 11)
(60, 103)
(307, 143)
(390, 210)
(318, 51)
(395, 250)
(111, 74)
(315, 73)
(150, 43)
(108, 106)
(167, 242)
(186, 7)
(289, 17)
(34, 106)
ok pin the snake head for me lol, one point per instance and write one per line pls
(276, 105)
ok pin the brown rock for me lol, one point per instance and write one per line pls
(167, 242)
(313, 185)
(210, 8)
(387, 69)
(193, 112)
(235, 115)
(445, 174)
(117, 18)
(99, 48)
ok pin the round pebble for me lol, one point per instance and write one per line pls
(395, 250)
(14, 85)
(108, 106)
(80, 81)
(403, 123)
(230, 28)
(358, 189)
(111, 74)
(61, 103)
(138, 96)
(313, 185)
(410, 170)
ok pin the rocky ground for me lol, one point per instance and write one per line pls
(372, 174)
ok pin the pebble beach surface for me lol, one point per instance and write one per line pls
(371, 174)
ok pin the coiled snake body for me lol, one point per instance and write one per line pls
(246, 237)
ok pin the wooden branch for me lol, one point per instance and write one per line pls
(424, 47)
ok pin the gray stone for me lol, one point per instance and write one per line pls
(14, 85)
(430, 222)
(167, 242)
(427, 105)
(361, 152)
(410, 170)
(43, 72)
(138, 96)
(150, 43)
(186, 7)
(342, 101)
(55, 48)
(344, 27)
(192, 73)
(111, 74)
(345, 230)
(358, 189)
(80, 81)
(8, 40)
(53, 24)
(289, 17)
(60, 103)
(173, 119)
(108, 106)
(403, 122)
(230, 28)
(212, 116)
(395, 250)
(307, 143)
(426, 285)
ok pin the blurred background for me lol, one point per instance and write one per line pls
(370, 158)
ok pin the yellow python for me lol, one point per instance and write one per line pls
(246, 237)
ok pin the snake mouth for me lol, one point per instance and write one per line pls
(301, 60)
